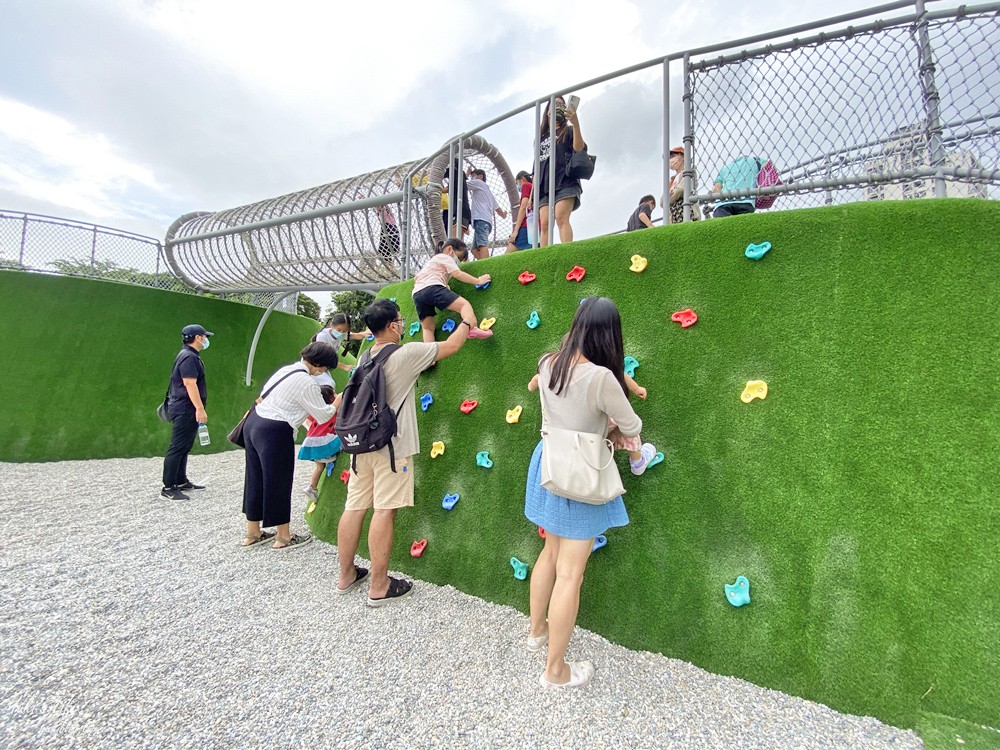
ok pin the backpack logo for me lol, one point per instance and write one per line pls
(351, 440)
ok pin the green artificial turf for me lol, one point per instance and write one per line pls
(86, 363)
(859, 498)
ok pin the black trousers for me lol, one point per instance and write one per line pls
(183, 429)
(270, 465)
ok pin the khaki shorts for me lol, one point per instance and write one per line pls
(375, 484)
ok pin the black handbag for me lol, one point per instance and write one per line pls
(580, 165)
(235, 435)
(161, 410)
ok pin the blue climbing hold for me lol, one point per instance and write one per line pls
(414, 327)
(599, 541)
(370, 337)
(484, 286)
(425, 401)
(756, 252)
(533, 320)
(448, 326)
(483, 459)
(449, 500)
(520, 568)
(329, 469)
(738, 593)
(630, 364)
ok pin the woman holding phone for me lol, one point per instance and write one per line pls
(567, 140)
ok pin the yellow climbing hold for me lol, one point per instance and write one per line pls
(638, 264)
(487, 323)
(513, 415)
(437, 449)
(312, 507)
(754, 389)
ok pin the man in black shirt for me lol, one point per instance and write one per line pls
(640, 218)
(186, 407)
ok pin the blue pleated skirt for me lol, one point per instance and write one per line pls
(564, 517)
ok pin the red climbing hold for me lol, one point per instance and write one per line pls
(417, 548)
(576, 273)
(541, 532)
(468, 406)
(345, 475)
(686, 318)
(526, 277)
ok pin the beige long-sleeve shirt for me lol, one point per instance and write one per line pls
(591, 396)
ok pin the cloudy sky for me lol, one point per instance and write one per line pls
(130, 113)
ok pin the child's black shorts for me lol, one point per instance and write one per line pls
(431, 299)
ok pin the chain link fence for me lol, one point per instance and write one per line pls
(889, 110)
(47, 244)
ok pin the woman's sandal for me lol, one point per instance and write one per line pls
(580, 673)
(296, 540)
(537, 642)
(253, 541)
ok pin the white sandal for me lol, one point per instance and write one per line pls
(580, 673)
(537, 643)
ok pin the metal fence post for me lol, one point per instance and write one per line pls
(688, 139)
(552, 168)
(93, 249)
(932, 100)
(665, 196)
(404, 233)
(536, 173)
(24, 237)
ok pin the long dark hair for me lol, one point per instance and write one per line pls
(545, 120)
(596, 333)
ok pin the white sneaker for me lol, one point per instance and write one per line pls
(311, 493)
(648, 452)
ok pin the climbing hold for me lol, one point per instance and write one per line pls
(656, 459)
(345, 475)
(638, 264)
(468, 406)
(514, 415)
(533, 320)
(526, 277)
(449, 500)
(487, 323)
(392, 299)
(520, 568)
(686, 318)
(370, 337)
(329, 469)
(483, 459)
(599, 541)
(576, 274)
(630, 364)
(448, 326)
(425, 401)
(541, 532)
(414, 327)
(437, 449)
(311, 508)
(738, 593)
(756, 252)
(754, 389)
(481, 287)
(417, 548)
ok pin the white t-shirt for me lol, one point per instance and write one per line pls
(484, 205)
(436, 272)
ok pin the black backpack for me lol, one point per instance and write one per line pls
(365, 422)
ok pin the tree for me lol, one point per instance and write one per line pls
(307, 306)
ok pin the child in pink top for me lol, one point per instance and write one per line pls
(431, 292)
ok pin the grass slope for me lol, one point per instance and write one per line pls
(859, 498)
(88, 361)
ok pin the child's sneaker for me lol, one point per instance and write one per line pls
(648, 452)
(479, 333)
(311, 494)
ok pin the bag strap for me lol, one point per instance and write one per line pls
(286, 375)
(611, 452)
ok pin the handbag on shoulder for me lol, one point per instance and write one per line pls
(580, 466)
(580, 165)
(235, 435)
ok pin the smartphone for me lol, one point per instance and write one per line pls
(573, 102)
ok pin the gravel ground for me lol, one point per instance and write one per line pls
(131, 622)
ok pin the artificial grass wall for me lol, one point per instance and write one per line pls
(88, 361)
(859, 498)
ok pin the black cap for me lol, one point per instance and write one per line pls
(189, 332)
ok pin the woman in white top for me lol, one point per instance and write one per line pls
(291, 395)
(583, 386)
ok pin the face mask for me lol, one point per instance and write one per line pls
(560, 115)
(208, 343)
(337, 335)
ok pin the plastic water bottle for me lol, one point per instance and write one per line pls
(203, 437)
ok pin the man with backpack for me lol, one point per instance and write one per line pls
(377, 424)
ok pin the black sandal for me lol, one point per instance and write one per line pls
(398, 589)
(360, 574)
